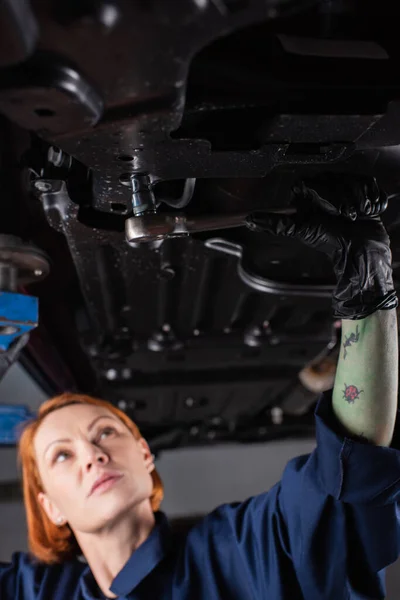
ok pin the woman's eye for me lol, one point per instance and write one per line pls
(106, 431)
(59, 454)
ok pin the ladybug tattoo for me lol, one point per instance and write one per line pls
(351, 393)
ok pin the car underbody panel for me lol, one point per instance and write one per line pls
(135, 137)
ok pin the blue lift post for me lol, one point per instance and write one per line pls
(19, 314)
(20, 264)
(12, 419)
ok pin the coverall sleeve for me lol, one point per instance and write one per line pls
(24, 579)
(8, 573)
(341, 509)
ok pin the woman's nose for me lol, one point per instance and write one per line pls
(92, 455)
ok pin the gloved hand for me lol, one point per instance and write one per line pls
(342, 195)
(359, 250)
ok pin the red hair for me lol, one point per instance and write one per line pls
(47, 542)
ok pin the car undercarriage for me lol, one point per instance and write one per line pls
(135, 136)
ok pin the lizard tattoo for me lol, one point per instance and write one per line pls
(351, 339)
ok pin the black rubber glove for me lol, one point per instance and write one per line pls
(342, 195)
(359, 250)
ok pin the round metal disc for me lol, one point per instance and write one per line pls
(31, 263)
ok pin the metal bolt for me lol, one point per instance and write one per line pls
(227, 329)
(143, 199)
(194, 430)
(196, 332)
(126, 373)
(108, 14)
(122, 404)
(55, 156)
(38, 272)
(166, 328)
(8, 330)
(167, 272)
(111, 374)
(274, 341)
(189, 402)
(276, 415)
(42, 186)
(216, 421)
(252, 337)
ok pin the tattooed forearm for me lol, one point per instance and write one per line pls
(364, 396)
(353, 338)
(351, 393)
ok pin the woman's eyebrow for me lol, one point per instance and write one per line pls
(56, 442)
(90, 427)
(93, 423)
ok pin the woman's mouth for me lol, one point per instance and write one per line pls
(106, 484)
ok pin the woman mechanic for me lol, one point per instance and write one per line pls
(325, 531)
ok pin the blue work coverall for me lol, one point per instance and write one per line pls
(326, 531)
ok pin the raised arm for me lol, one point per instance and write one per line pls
(365, 392)
(339, 215)
(340, 504)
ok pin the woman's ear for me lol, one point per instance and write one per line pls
(147, 455)
(50, 509)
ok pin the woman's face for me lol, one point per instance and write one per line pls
(77, 444)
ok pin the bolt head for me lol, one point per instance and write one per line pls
(42, 186)
(92, 351)
(38, 272)
(126, 373)
(108, 14)
(167, 272)
(55, 156)
(111, 374)
(277, 415)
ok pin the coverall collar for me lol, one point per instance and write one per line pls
(140, 564)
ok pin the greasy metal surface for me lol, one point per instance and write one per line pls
(262, 284)
(150, 79)
(169, 325)
(243, 96)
